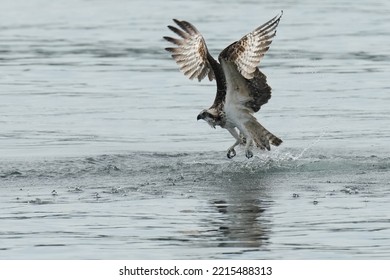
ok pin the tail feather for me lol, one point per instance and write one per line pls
(261, 136)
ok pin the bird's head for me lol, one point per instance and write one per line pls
(210, 116)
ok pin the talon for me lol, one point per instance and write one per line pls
(231, 153)
(249, 154)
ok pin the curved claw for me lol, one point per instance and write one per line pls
(231, 153)
(249, 154)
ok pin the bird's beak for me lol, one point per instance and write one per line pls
(199, 117)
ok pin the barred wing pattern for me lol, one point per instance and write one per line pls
(191, 52)
(248, 51)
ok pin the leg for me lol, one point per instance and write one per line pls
(231, 152)
(248, 152)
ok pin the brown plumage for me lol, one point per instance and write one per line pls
(248, 51)
(191, 51)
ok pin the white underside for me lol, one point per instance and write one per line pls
(237, 114)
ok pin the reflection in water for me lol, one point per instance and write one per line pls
(241, 224)
(236, 218)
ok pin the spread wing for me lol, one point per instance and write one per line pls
(248, 51)
(190, 52)
(239, 62)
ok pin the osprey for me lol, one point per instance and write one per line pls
(241, 87)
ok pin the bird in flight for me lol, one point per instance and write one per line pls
(241, 87)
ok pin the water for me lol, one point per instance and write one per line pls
(101, 156)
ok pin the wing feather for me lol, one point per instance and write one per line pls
(190, 52)
(178, 32)
(247, 85)
(248, 51)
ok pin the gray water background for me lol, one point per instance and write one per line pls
(101, 156)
